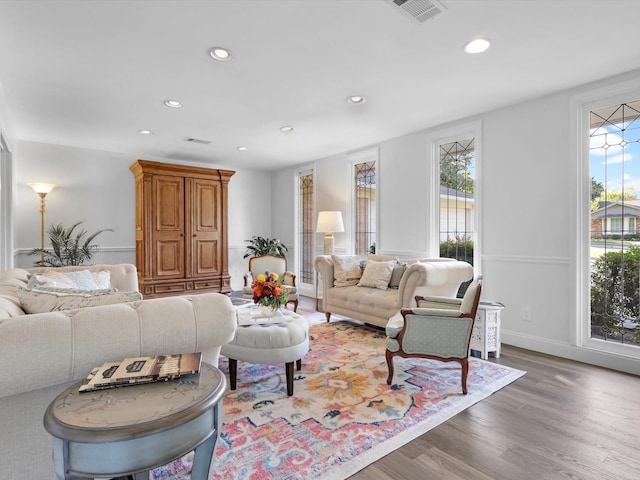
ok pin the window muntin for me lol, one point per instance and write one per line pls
(457, 202)
(306, 227)
(614, 282)
(365, 207)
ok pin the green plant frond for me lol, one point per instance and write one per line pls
(265, 246)
(67, 248)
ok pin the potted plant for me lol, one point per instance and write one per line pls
(67, 246)
(259, 246)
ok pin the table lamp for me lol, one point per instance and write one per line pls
(328, 223)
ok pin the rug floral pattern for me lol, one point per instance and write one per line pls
(342, 410)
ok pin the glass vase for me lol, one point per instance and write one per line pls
(269, 310)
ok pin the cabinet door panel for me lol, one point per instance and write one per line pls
(169, 261)
(205, 234)
(168, 228)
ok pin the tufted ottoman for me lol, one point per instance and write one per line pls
(284, 342)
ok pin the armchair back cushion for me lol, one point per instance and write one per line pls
(271, 264)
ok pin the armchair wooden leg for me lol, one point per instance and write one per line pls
(327, 316)
(465, 370)
(389, 357)
(233, 373)
(299, 364)
(295, 306)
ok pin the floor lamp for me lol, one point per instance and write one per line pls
(328, 223)
(42, 189)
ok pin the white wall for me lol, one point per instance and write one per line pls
(92, 186)
(527, 179)
(98, 188)
(526, 182)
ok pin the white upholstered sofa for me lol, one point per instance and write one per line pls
(42, 354)
(343, 292)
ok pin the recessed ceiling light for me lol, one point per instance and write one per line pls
(220, 54)
(356, 100)
(145, 132)
(286, 129)
(242, 148)
(477, 45)
(173, 103)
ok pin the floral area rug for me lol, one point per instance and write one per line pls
(342, 415)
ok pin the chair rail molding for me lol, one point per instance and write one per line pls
(541, 260)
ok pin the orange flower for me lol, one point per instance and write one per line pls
(268, 291)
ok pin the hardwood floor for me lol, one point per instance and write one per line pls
(563, 419)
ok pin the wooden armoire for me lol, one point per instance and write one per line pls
(181, 229)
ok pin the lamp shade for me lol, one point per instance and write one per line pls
(42, 187)
(330, 222)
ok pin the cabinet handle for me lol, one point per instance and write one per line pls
(194, 235)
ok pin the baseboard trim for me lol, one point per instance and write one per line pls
(571, 352)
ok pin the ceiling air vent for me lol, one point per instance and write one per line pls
(197, 140)
(419, 10)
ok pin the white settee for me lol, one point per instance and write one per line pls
(42, 354)
(377, 304)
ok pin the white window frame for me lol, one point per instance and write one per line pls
(305, 289)
(442, 137)
(581, 104)
(367, 155)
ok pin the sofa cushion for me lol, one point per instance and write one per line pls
(9, 309)
(396, 275)
(377, 275)
(42, 301)
(368, 301)
(346, 270)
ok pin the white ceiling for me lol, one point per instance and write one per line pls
(91, 73)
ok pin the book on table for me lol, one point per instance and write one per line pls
(138, 370)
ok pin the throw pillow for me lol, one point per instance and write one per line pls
(50, 278)
(377, 275)
(42, 301)
(102, 278)
(398, 271)
(346, 270)
(83, 279)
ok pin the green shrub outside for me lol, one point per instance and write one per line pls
(615, 289)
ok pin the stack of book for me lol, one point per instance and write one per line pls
(137, 370)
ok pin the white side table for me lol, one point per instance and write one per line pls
(485, 337)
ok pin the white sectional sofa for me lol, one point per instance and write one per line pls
(41, 354)
(343, 292)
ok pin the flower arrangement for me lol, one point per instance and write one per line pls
(268, 291)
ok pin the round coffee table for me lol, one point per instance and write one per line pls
(131, 430)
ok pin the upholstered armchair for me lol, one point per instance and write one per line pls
(272, 264)
(437, 333)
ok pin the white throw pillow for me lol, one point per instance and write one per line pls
(42, 301)
(377, 274)
(83, 279)
(346, 270)
(102, 278)
(50, 278)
